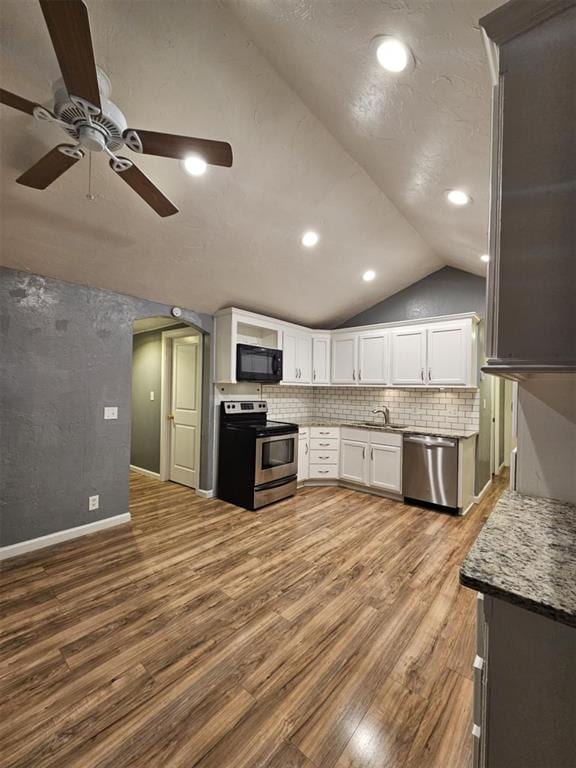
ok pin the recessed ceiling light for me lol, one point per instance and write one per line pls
(393, 54)
(458, 197)
(485, 257)
(310, 239)
(368, 275)
(195, 165)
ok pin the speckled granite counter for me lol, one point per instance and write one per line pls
(412, 429)
(526, 555)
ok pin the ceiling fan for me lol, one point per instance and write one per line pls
(82, 109)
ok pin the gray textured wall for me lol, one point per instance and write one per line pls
(146, 377)
(66, 352)
(445, 292)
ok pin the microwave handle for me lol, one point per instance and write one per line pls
(276, 365)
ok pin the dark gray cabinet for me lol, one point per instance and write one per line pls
(531, 318)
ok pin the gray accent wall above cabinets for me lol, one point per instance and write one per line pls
(447, 291)
(66, 352)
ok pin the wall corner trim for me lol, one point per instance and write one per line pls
(205, 494)
(483, 492)
(147, 472)
(22, 547)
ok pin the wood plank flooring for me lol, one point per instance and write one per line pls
(326, 630)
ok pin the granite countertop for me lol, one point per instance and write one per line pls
(412, 429)
(526, 555)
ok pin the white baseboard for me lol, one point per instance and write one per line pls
(205, 494)
(145, 471)
(22, 547)
(483, 492)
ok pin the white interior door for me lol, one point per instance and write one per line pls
(186, 400)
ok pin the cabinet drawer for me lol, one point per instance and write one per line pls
(385, 438)
(324, 457)
(320, 470)
(325, 432)
(355, 433)
(324, 443)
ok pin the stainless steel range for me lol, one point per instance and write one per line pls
(257, 458)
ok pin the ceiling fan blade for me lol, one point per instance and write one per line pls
(69, 28)
(142, 185)
(179, 147)
(17, 102)
(50, 167)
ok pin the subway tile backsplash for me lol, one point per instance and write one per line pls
(415, 407)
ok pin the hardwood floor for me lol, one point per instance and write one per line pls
(327, 630)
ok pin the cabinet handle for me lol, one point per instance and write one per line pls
(429, 374)
(359, 374)
(364, 452)
(323, 457)
(323, 471)
(324, 433)
(422, 373)
(353, 375)
(306, 452)
(372, 454)
(324, 445)
(314, 374)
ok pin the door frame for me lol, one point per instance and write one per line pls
(166, 397)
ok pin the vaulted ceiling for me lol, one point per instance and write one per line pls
(323, 139)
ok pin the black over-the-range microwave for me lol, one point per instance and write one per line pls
(258, 363)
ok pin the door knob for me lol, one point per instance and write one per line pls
(171, 416)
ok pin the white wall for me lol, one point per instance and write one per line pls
(547, 439)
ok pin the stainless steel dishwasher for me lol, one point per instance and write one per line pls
(430, 469)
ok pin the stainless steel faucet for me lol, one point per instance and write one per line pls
(385, 411)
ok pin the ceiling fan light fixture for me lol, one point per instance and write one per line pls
(195, 165)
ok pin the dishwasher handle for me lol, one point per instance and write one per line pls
(434, 442)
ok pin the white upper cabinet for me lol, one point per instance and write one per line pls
(321, 359)
(344, 358)
(408, 356)
(437, 353)
(297, 358)
(373, 358)
(448, 358)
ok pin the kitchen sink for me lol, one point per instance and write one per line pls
(393, 427)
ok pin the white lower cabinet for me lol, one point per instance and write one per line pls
(353, 465)
(303, 454)
(372, 458)
(386, 467)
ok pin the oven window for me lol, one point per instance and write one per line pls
(278, 452)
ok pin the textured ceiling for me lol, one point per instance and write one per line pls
(191, 67)
(417, 133)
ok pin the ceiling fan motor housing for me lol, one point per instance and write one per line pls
(106, 128)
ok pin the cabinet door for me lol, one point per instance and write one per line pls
(353, 461)
(373, 358)
(321, 360)
(304, 359)
(408, 356)
(289, 370)
(449, 355)
(303, 458)
(386, 467)
(344, 354)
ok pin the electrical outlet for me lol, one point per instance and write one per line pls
(152, 395)
(110, 412)
(93, 502)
